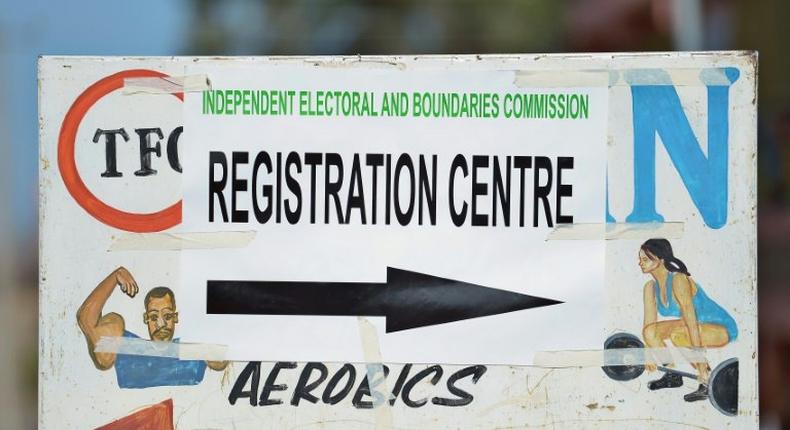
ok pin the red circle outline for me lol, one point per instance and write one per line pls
(129, 221)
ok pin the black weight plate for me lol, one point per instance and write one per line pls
(619, 372)
(723, 387)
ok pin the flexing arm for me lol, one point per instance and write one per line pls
(94, 325)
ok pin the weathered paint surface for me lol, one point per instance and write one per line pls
(669, 146)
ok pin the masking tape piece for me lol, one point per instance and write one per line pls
(709, 76)
(617, 231)
(557, 78)
(616, 357)
(679, 77)
(166, 84)
(182, 351)
(179, 241)
(202, 351)
(370, 341)
(371, 351)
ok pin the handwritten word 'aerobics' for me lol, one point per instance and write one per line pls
(369, 387)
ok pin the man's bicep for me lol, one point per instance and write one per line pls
(110, 325)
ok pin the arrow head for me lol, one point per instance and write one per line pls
(415, 300)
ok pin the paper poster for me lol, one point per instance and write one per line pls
(419, 201)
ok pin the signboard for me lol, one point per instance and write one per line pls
(390, 242)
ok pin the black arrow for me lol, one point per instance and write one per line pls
(408, 299)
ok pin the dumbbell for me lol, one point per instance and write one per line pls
(722, 383)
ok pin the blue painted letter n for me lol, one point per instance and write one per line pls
(657, 111)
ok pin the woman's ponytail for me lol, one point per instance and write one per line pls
(662, 249)
(679, 266)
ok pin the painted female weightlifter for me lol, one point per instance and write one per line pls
(693, 320)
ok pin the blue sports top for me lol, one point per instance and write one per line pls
(140, 371)
(707, 310)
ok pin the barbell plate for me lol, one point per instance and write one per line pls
(723, 387)
(619, 341)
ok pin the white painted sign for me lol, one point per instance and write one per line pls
(162, 306)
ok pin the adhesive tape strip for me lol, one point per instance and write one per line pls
(166, 84)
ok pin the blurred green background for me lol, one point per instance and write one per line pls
(312, 27)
